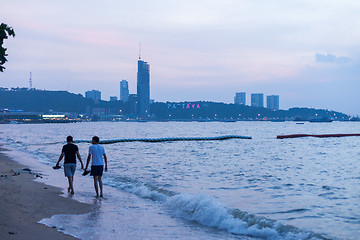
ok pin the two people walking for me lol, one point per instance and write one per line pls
(96, 155)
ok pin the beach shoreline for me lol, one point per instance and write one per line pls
(24, 202)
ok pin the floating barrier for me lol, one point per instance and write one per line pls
(152, 140)
(318, 135)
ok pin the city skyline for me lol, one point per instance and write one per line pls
(305, 51)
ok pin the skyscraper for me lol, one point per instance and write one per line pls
(240, 98)
(94, 95)
(143, 89)
(257, 100)
(124, 91)
(272, 102)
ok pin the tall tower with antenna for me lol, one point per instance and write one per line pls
(143, 88)
(30, 81)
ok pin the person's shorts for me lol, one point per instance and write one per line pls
(97, 170)
(69, 169)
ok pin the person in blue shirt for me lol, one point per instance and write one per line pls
(98, 157)
(70, 151)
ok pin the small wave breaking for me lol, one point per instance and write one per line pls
(207, 211)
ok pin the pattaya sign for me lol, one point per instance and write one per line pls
(183, 106)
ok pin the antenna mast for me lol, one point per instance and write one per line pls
(30, 81)
(140, 51)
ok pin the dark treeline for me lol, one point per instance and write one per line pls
(212, 110)
(43, 101)
(57, 101)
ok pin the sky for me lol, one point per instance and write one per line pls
(305, 51)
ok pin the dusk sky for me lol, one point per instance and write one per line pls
(305, 51)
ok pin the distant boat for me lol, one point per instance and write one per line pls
(204, 120)
(228, 120)
(277, 120)
(355, 119)
(299, 123)
(323, 119)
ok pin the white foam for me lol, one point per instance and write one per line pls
(209, 212)
(206, 211)
(140, 189)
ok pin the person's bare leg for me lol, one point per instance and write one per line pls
(71, 188)
(96, 186)
(72, 184)
(101, 186)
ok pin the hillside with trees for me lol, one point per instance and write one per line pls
(43, 101)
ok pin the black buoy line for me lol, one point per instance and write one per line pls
(152, 140)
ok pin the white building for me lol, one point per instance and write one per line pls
(272, 102)
(124, 91)
(257, 100)
(94, 95)
(113, 98)
(240, 98)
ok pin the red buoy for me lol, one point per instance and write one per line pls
(318, 135)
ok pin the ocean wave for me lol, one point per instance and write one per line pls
(209, 212)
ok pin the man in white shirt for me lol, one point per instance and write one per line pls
(98, 156)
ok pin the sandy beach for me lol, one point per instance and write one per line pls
(24, 202)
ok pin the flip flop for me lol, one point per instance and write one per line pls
(86, 173)
(56, 167)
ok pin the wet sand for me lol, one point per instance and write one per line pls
(25, 202)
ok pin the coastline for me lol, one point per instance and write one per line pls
(24, 202)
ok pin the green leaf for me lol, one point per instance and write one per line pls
(5, 31)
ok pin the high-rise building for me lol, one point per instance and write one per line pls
(94, 95)
(113, 98)
(133, 103)
(257, 100)
(143, 89)
(124, 91)
(240, 98)
(272, 102)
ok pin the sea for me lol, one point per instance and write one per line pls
(258, 188)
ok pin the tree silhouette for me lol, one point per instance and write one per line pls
(5, 32)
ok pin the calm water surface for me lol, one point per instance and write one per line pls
(262, 188)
